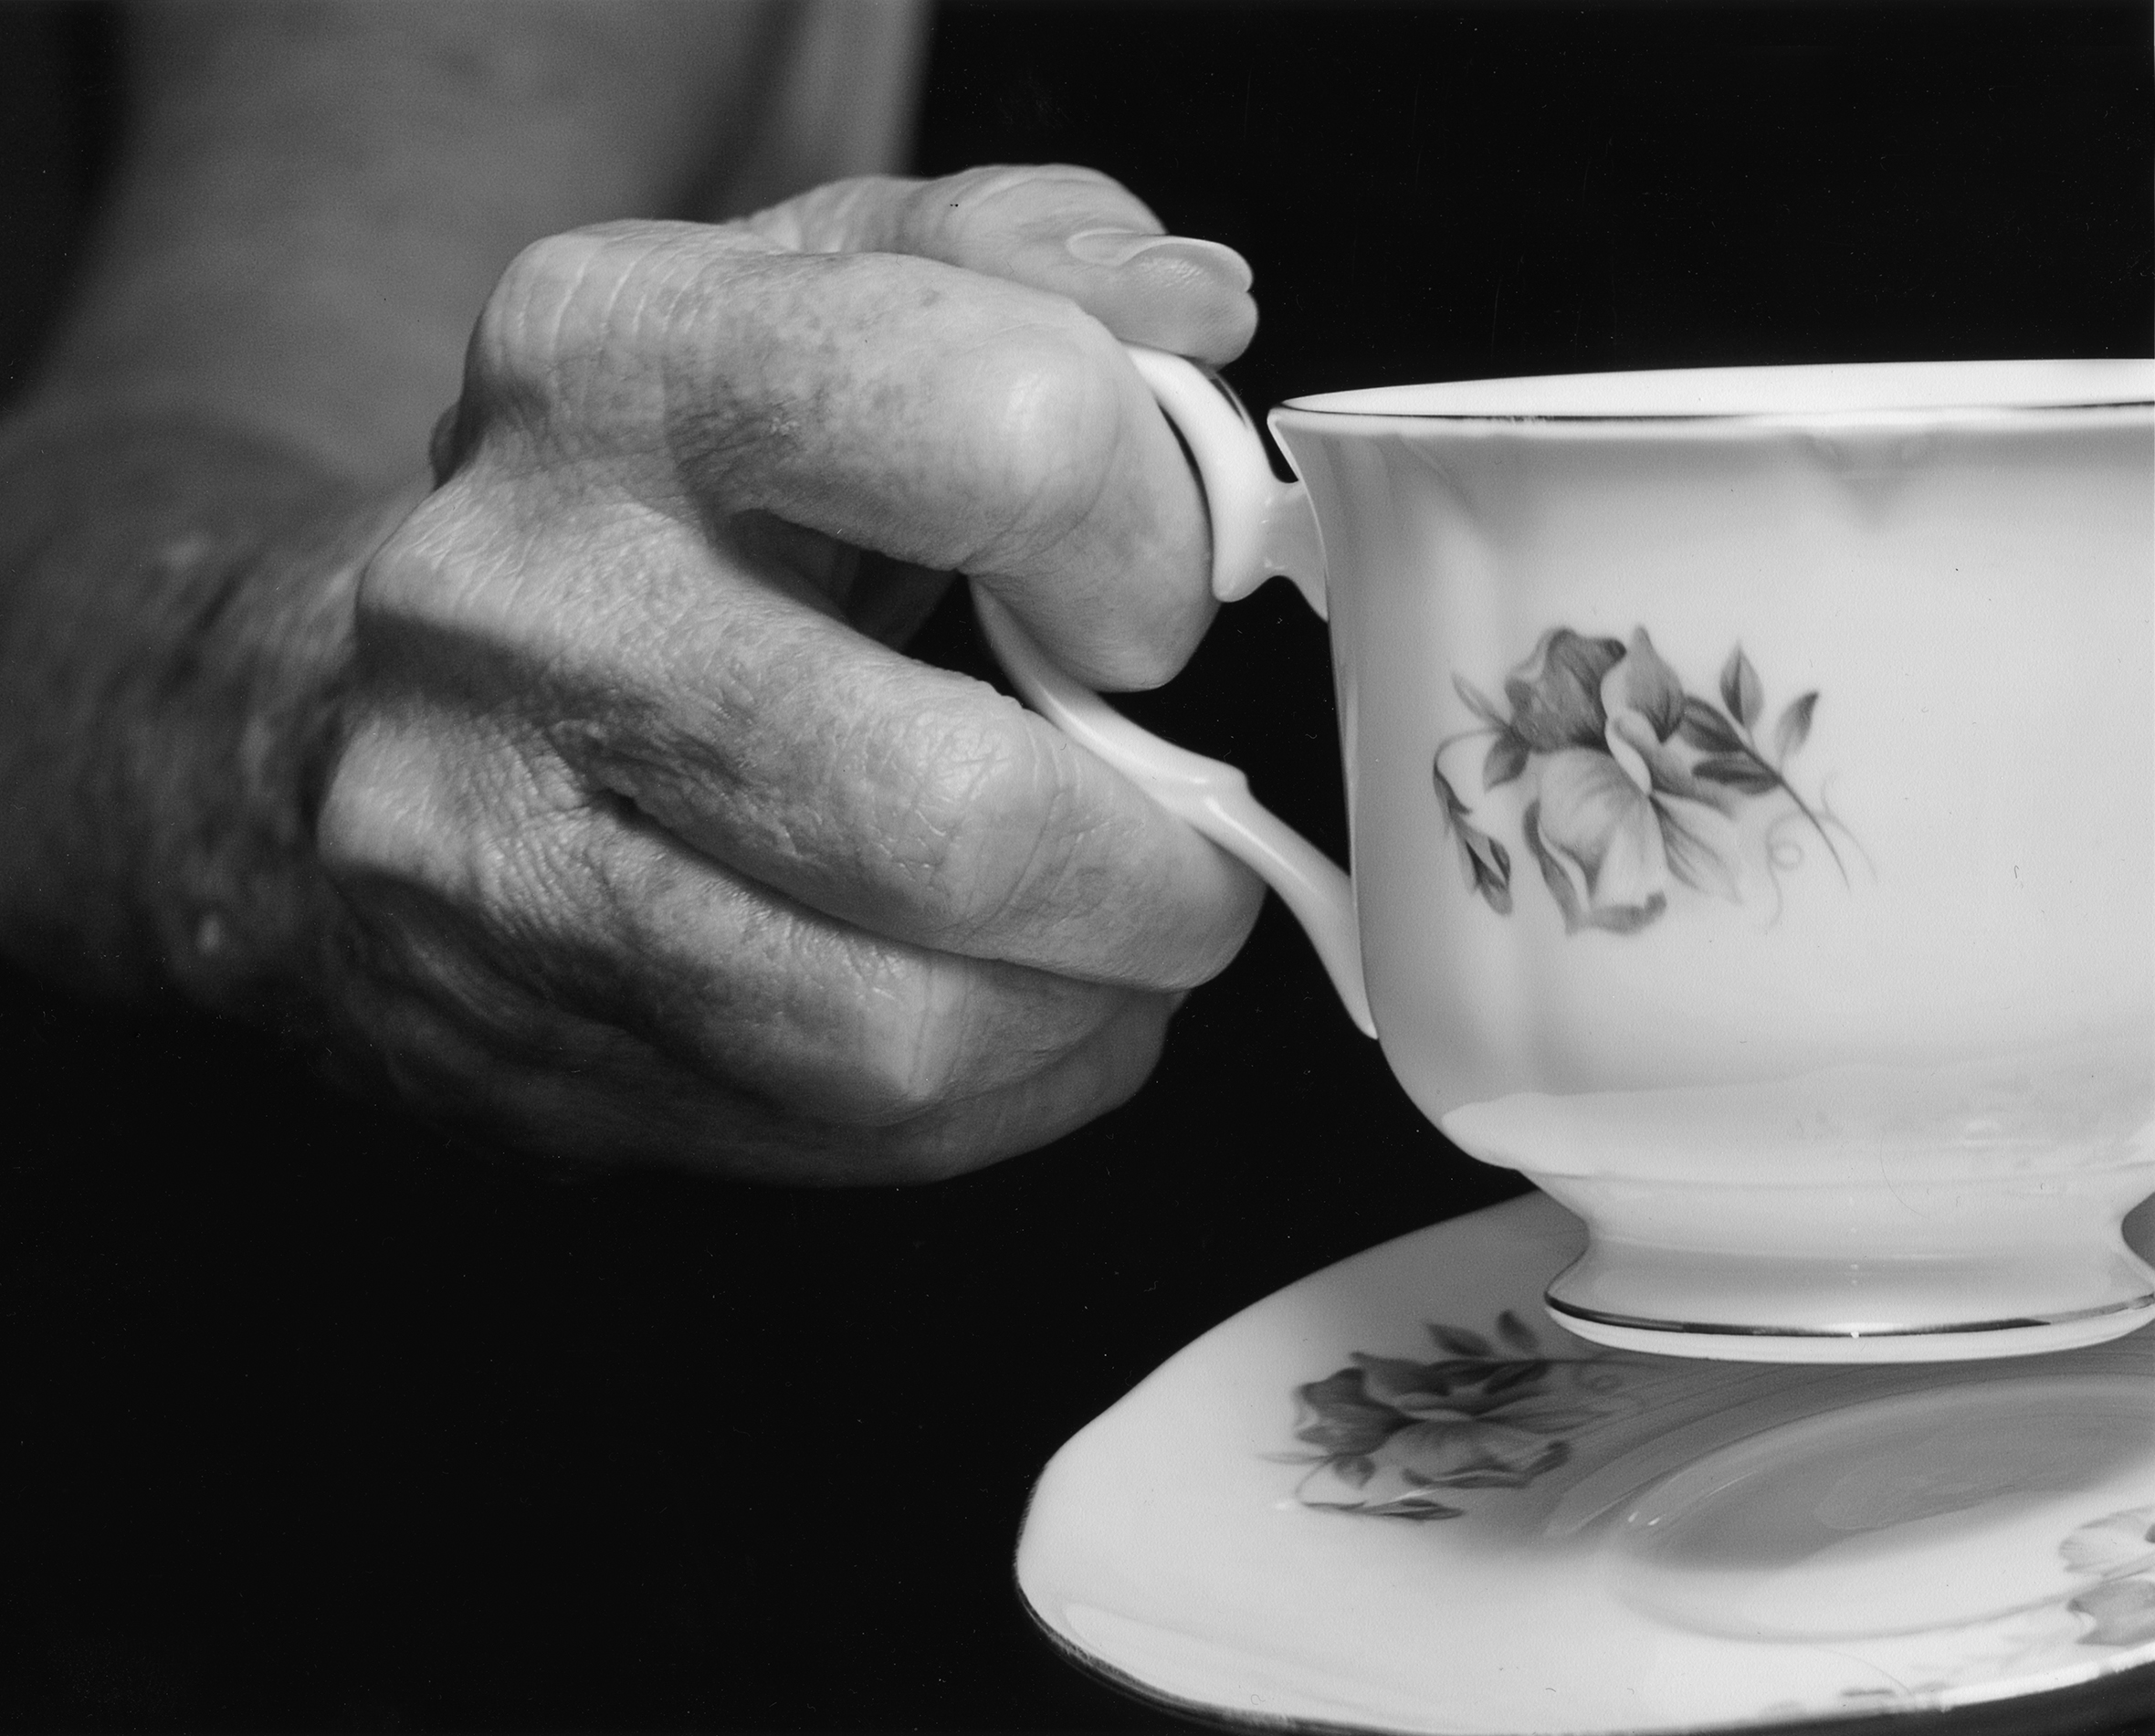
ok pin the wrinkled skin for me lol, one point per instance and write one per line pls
(653, 840)
(581, 791)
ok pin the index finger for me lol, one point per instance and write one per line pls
(949, 419)
(907, 800)
(1054, 227)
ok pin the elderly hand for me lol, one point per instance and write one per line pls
(656, 844)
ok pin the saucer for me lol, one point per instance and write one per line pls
(1394, 1497)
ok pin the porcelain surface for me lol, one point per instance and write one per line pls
(1396, 1497)
(1751, 794)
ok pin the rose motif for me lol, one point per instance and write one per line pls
(1632, 786)
(2118, 1551)
(1556, 694)
(2122, 1612)
(1389, 1432)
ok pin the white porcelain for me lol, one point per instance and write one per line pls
(1390, 1497)
(1751, 787)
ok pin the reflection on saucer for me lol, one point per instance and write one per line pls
(1396, 1497)
(1933, 1509)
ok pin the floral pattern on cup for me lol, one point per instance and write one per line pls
(1631, 785)
(2118, 1551)
(1392, 1437)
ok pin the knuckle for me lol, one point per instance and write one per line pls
(407, 576)
(548, 338)
(530, 324)
(471, 828)
(370, 805)
(446, 603)
(489, 570)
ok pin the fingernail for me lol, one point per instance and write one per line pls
(1118, 246)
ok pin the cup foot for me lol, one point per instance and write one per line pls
(1910, 1272)
(1882, 1343)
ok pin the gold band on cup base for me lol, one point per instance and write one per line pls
(1960, 1341)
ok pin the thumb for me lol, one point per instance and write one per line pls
(1071, 231)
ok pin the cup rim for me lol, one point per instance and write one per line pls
(1811, 393)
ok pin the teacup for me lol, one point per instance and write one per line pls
(1751, 792)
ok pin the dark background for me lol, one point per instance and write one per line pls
(316, 1419)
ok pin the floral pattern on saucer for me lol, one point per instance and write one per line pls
(1390, 1433)
(2118, 1551)
(2113, 1615)
(1631, 786)
(1165, 1546)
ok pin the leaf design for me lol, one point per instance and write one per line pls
(1411, 1507)
(1454, 807)
(1480, 703)
(2123, 1611)
(1630, 787)
(1516, 1333)
(1390, 1431)
(1705, 727)
(1795, 728)
(1495, 862)
(1486, 864)
(1345, 1422)
(1513, 1374)
(2122, 1542)
(1547, 1461)
(1741, 690)
(1389, 1379)
(1506, 759)
(1739, 772)
(1643, 683)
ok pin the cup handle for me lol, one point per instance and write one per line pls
(1260, 526)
